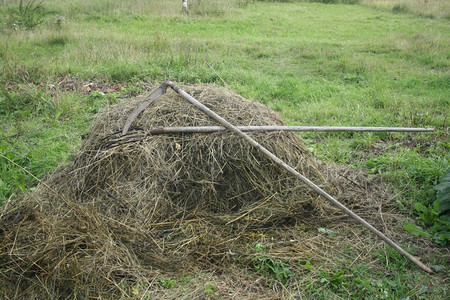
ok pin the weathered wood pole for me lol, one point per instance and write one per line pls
(210, 129)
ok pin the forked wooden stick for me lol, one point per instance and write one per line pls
(291, 170)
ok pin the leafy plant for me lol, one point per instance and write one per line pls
(443, 193)
(416, 230)
(335, 280)
(273, 267)
(209, 289)
(439, 231)
(435, 218)
(96, 95)
(428, 215)
(306, 264)
(169, 283)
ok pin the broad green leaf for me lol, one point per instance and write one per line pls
(420, 207)
(416, 230)
(443, 189)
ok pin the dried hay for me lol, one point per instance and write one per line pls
(131, 212)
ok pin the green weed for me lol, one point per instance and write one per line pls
(27, 15)
(170, 283)
(335, 280)
(209, 289)
(435, 217)
(271, 267)
(443, 193)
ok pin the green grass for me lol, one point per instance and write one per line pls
(315, 64)
(422, 8)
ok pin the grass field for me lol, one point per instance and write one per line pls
(376, 63)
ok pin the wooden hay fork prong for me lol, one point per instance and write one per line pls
(278, 161)
(160, 90)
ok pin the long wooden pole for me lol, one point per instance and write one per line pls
(291, 170)
(209, 129)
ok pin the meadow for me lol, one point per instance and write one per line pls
(356, 63)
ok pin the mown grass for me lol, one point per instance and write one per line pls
(315, 64)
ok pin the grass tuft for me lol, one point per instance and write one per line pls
(400, 8)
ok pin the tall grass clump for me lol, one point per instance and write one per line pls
(27, 15)
(400, 8)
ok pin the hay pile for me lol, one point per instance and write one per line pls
(127, 211)
(216, 173)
